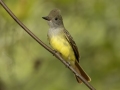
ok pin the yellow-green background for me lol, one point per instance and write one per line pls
(95, 27)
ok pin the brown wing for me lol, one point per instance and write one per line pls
(72, 43)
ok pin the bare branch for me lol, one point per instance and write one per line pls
(45, 46)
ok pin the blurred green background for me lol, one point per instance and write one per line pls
(95, 27)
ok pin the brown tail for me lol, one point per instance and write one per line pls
(79, 69)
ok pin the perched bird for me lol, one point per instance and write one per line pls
(62, 42)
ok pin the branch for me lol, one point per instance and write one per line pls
(45, 46)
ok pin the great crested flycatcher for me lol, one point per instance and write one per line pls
(62, 42)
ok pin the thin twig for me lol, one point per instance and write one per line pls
(44, 45)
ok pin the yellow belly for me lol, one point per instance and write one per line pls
(61, 45)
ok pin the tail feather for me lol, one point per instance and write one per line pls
(80, 71)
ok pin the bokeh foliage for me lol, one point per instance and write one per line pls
(94, 25)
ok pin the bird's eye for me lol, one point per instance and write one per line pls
(56, 18)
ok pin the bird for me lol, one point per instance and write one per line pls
(62, 42)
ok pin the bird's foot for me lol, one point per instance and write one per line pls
(68, 64)
(56, 52)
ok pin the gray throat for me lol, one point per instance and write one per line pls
(55, 31)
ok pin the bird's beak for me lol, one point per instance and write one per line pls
(46, 18)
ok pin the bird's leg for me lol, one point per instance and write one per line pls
(68, 63)
(54, 52)
(57, 52)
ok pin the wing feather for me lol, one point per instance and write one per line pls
(73, 44)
